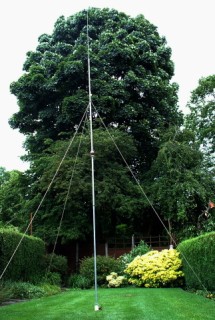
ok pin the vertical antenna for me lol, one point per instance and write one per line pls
(96, 307)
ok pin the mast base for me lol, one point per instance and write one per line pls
(97, 308)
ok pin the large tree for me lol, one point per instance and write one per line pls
(131, 70)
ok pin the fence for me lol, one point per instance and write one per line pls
(117, 246)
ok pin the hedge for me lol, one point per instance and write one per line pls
(198, 256)
(28, 261)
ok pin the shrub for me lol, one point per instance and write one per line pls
(156, 269)
(50, 289)
(115, 281)
(26, 290)
(77, 281)
(56, 264)
(105, 265)
(198, 256)
(138, 250)
(52, 278)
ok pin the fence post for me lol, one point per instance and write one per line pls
(132, 242)
(106, 249)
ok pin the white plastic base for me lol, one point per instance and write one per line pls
(96, 308)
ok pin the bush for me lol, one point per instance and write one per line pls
(156, 269)
(26, 290)
(52, 278)
(77, 281)
(198, 256)
(28, 261)
(56, 264)
(105, 265)
(138, 250)
(115, 281)
(50, 289)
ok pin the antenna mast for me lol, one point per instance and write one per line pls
(92, 153)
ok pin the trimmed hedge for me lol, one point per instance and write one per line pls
(28, 261)
(198, 256)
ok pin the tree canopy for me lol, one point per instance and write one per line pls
(202, 113)
(131, 69)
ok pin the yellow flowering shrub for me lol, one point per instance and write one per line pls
(156, 269)
(115, 281)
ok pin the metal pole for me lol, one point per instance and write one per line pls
(92, 153)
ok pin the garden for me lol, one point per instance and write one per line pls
(150, 284)
(154, 175)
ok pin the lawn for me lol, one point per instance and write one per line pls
(117, 304)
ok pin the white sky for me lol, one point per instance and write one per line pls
(188, 26)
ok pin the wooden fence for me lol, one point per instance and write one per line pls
(117, 246)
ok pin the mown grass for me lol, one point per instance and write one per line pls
(117, 304)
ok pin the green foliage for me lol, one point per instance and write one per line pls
(52, 278)
(131, 71)
(179, 185)
(156, 269)
(27, 263)
(50, 289)
(13, 196)
(4, 176)
(115, 281)
(26, 290)
(201, 117)
(105, 265)
(56, 263)
(5, 292)
(56, 269)
(138, 250)
(78, 281)
(205, 224)
(198, 255)
(118, 197)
